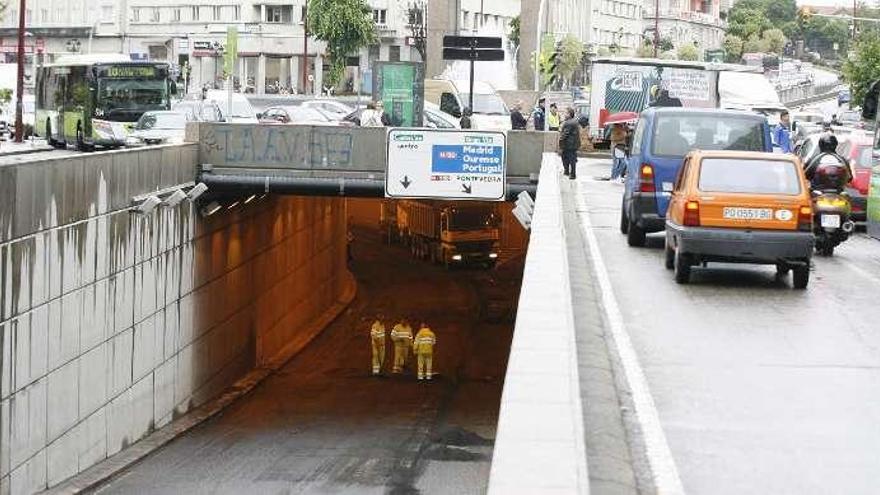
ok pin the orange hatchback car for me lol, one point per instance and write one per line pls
(740, 207)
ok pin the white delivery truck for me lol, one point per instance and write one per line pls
(489, 112)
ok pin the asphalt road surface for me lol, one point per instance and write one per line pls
(759, 388)
(322, 424)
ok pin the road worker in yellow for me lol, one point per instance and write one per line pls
(424, 349)
(377, 339)
(402, 337)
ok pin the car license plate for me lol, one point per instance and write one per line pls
(747, 213)
(831, 221)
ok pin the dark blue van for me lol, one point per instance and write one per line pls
(662, 138)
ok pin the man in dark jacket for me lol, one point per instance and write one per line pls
(517, 119)
(570, 142)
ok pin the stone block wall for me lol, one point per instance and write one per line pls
(114, 323)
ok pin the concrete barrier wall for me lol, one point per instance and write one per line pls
(113, 323)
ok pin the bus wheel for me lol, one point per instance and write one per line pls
(49, 139)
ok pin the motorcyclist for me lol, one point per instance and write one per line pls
(828, 171)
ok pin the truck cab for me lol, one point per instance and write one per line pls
(489, 112)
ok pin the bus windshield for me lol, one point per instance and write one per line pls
(124, 96)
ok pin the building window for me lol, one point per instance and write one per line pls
(107, 13)
(236, 13)
(135, 15)
(154, 14)
(394, 53)
(195, 13)
(175, 15)
(273, 13)
(379, 16)
(218, 13)
(44, 15)
(302, 14)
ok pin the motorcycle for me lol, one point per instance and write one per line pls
(832, 222)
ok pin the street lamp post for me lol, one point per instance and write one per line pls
(19, 131)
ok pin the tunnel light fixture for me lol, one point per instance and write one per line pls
(211, 208)
(174, 198)
(147, 205)
(456, 257)
(197, 191)
(493, 255)
(233, 205)
(250, 198)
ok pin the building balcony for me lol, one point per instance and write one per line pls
(688, 16)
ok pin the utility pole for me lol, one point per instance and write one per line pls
(854, 21)
(20, 81)
(656, 28)
(305, 70)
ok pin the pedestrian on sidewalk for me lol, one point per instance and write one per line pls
(377, 343)
(402, 338)
(570, 142)
(424, 349)
(618, 151)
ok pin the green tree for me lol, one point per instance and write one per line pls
(345, 26)
(688, 52)
(571, 52)
(755, 44)
(733, 47)
(645, 51)
(775, 40)
(864, 66)
(514, 35)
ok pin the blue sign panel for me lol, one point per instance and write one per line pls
(467, 159)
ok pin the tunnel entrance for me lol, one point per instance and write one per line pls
(324, 423)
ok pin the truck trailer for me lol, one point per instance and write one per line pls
(448, 232)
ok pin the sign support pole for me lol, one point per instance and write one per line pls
(471, 91)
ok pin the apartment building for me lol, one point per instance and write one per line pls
(686, 21)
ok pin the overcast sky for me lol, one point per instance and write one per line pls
(841, 3)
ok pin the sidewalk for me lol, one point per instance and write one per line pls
(9, 148)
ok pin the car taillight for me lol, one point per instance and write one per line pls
(805, 218)
(692, 214)
(646, 178)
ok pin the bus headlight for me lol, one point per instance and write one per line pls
(493, 255)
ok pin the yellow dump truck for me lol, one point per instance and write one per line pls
(450, 232)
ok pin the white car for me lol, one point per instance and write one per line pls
(437, 119)
(160, 127)
(334, 109)
(242, 111)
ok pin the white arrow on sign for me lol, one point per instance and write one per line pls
(437, 164)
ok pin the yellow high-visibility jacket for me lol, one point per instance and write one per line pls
(424, 342)
(377, 331)
(402, 333)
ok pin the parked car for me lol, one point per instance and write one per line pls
(241, 112)
(740, 207)
(662, 138)
(290, 114)
(860, 153)
(432, 117)
(158, 127)
(199, 110)
(334, 109)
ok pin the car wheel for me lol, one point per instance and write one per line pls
(801, 276)
(635, 235)
(682, 265)
(670, 256)
(782, 269)
(826, 249)
(624, 221)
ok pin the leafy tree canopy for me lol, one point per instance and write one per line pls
(345, 26)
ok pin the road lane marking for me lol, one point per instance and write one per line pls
(662, 465)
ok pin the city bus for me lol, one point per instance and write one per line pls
(95, 100)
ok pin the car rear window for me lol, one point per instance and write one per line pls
(677, 134)
(749, 176)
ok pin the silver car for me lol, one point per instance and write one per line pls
(160, 127)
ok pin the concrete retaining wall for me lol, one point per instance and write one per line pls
(112, 323)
